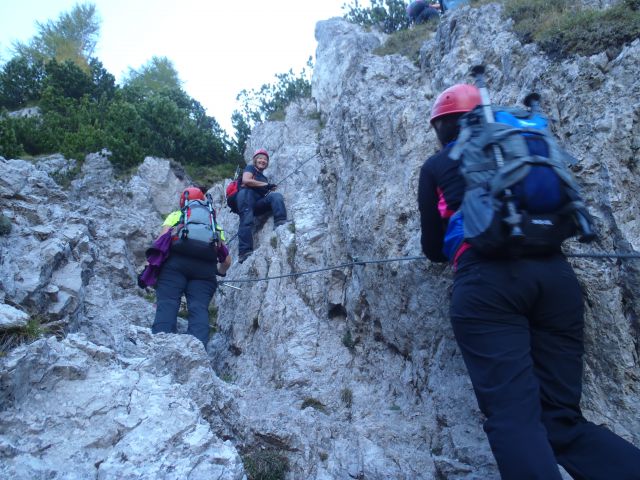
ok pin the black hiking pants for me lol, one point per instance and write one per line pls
(252, 203)
(519, 326)
(196, 279)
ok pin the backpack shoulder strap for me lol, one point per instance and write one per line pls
(173, 219)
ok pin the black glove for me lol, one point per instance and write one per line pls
(271, 186)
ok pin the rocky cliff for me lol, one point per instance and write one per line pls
(350, 372)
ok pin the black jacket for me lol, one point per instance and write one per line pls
(440, 191)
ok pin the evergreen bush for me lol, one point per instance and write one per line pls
(387, 15)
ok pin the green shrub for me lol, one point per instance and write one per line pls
(346, 395)
(407, 42)
(210, 174)
(149, 295)
(531, 16)
(83, 110)
(265, 464)
(9, 145)
(20, 82)
(213, 318)
(292, 249)
(632, 4)
(311, 402)
(387, 15)
(562, 29)
(269, 102)
(5, 225)
(33, 330)
(347, 340)
(65, 178)
(589, 32)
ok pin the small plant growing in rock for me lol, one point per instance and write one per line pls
(323, 456)
(346, 395)
(149, 295)
(32, 331)
(313, 403)
(265, 464)
(408, 42)
(291, 253)
(183, 312)
(34, 328)
(292, 227)
(213, 313)
(347, 340)
(563, 28)
(5, 225)
(274, 241)
(64, 178)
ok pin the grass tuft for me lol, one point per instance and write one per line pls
(265, 464)
(346, 395)
(5, 225)
(562, 28)
(408, 42)
(311, 402)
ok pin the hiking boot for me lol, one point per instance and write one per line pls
(243, 256)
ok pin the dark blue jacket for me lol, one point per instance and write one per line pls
(257, 175)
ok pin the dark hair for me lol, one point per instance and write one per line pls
(447, 128)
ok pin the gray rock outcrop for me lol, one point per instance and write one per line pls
(348, 372)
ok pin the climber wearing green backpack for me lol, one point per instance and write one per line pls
(497, 202)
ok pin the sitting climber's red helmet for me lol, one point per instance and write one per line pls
(260, 151)
(194, 193)
(460, 98)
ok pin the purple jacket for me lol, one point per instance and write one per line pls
(156, 255)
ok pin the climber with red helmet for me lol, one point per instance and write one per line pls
(518, 322)
(255, 197)
(190, 270)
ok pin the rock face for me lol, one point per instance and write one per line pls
(350, 372)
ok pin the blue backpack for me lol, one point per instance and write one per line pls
(548, 205)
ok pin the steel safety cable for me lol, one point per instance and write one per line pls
(623, 256)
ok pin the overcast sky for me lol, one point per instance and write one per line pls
(218, 47)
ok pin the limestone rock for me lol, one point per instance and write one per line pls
(11, 317)
(350, 371)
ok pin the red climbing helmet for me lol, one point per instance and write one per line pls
(460, 98)
(194, 193)
(260, 151)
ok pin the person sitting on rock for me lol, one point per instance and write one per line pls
(190, 274)
(255, 197)
(420, 11)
